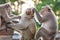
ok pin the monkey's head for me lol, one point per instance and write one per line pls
(45, 9)
(29, 13)
(27, 9)
(7, 7)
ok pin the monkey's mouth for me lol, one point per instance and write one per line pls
(31, 17)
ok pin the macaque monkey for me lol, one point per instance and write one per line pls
(5, 18)
(26, 25)
(5, 33)
(6, 11)
(49, 25)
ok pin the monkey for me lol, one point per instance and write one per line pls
(5, 18)
(49, 26)
(26, 25)
(8, 11)
(5, 12)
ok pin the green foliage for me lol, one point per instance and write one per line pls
(58, 0)
(59, 24)
(44, 2)
(15, 13)
(2, 1)
(38, 7)
(13, 0)
(47, 2)
(38, 25)
(56, 6)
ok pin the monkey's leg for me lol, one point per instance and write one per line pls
(47, 36)
(44, 38)
(44, 34)
(38, 35)
(53, 36)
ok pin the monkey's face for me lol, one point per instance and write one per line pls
(44, 11)
(9, 9)
(29, 13)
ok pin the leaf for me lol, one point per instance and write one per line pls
(13, 0)
(2, 1)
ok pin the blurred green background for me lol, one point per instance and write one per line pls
(55, 4)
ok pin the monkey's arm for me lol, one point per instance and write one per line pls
(32, 28)
(41, 19)
(46, 17)
(4, 14)
(17, 26)
(16, 17)
(7, 18)
(38, 16)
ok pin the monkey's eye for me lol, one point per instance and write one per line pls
(49, 10)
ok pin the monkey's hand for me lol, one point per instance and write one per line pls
(16, 17)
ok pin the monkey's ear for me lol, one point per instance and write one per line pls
(49, 10)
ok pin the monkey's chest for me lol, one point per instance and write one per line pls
(26, 34)
(49, 26)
